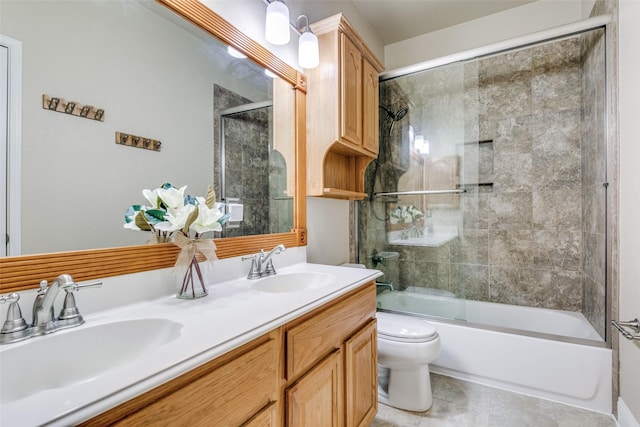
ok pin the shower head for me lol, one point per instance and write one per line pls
(398, 115)
(395, 116)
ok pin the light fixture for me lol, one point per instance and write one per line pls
(277, 24)
(270, 74)
(235, 53)
(308, 52)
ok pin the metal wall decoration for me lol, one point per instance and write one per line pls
(73, 108)
(137, 141)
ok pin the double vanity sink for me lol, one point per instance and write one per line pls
(120, 352)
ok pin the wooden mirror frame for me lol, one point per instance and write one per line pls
(19, 273)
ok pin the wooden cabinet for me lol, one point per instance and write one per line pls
(317, 399)
(268, 417)
(227, 391)
(331, 364)
(319, 370)
(342, 111)
(361, 376)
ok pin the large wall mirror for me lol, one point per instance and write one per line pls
(160, 70)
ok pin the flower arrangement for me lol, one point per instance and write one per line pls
(405, 215)
(172, 211)
(173, 214)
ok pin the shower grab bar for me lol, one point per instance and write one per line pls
(419, 192)
(634, 325)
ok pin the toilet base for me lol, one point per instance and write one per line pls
(408, 389)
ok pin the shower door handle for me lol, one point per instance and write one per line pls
(634, 325)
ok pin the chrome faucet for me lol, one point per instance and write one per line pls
(413, 231)
(258, 261)
(15, 328)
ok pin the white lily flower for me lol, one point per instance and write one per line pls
(207, 219)
(153, 197)
(175, 221)
(173, 198)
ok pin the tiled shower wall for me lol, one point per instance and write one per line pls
(531, 234)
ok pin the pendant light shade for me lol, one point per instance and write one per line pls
(277, 24)
(308, 53)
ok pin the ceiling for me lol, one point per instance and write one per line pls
(396, 20)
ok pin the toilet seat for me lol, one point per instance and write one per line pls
(398, 328)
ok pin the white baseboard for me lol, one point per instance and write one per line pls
(625, 417)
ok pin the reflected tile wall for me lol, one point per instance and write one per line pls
(253, 174)
(535, 237)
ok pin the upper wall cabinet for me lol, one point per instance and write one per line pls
(342, 112)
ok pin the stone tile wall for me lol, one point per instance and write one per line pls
(532, 237)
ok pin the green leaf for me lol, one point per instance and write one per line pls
(156, 213)
(141, 222)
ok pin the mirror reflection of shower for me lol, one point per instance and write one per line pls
(251, 168)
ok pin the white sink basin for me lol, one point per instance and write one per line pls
(293, 282)
(77, 355)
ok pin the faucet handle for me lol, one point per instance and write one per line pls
(269, 269)
(69, 312)
(14, 321)
(78, 286)
(253, 271)
(70, 309)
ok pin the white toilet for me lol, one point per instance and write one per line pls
(406, 346)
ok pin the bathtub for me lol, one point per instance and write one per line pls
(550, 354)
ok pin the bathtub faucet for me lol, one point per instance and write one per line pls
(389, 286)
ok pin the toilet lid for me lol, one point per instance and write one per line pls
(395, 327)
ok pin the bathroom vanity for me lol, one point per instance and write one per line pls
(325, 360)
(250, 353)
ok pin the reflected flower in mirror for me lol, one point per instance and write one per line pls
(405, 215)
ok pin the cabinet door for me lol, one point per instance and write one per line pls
(268, 417)
(370, 99)
(361, 377)
(317, 399)
(350, 92)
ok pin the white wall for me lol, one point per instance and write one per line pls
(328, 231)
(629, 94)
(518, 21)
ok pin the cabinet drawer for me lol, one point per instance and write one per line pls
(323, 330)
(225, 392)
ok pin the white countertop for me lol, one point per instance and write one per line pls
(231, 315)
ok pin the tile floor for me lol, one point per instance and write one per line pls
(458, 403)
